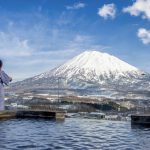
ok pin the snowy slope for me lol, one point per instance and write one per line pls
(93, 64)
(91, 70)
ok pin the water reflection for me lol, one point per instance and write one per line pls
(72, 134)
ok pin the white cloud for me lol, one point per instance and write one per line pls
(76, 6)
(13, 46)
(107, 11)
(139, 7)
(34, 45)
(144, 35)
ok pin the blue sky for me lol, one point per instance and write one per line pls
(38, 35)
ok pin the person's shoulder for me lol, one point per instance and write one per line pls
(2, 71)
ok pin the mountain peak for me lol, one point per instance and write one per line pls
(88, 70)
(93, 53)
(99, 62)
(94, 64)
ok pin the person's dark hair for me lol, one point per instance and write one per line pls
(1, 63)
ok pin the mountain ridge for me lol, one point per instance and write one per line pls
(89, 70)
(93, 61)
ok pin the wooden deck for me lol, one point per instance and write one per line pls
(58, 115)
(141, 119)
(7, 114)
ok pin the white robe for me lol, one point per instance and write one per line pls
(5, 79)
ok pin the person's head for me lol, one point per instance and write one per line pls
(1, 64)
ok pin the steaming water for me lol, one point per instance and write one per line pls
(72, 134)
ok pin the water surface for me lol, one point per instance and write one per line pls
(72, 134)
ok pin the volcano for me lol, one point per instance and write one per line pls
(90, 71)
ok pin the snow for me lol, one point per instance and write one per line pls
(91, 73)
(92, 65)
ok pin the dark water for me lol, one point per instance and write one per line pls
(72, 134)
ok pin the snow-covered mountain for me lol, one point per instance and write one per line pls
(90, 70)
(93, 65)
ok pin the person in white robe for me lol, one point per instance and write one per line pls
(4, 80)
